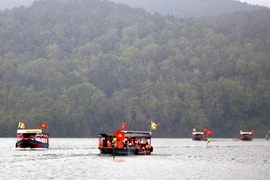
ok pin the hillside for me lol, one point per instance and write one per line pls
(85, 67)
(191, 8)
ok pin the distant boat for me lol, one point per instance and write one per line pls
(32, 138)
(198, 136)
(201, 135)
(247, 135)
(131, 143)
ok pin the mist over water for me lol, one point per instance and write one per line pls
(171, 159)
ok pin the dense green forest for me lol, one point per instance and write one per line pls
(191, 8)
(84, 66)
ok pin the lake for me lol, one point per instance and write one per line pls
(173, 159)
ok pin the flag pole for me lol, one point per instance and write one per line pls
(151, 130)
(113, 152)
(113, 143)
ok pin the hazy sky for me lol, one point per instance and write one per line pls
(258, 2)
(11, 3)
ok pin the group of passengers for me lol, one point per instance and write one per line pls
(108, 142)
(142, 146)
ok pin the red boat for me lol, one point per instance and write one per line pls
(32, 138)
(246, 136)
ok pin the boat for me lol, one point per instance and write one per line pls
(32, 138)
(125, 143)
(201, 135)
(198, 136)
(246, 135)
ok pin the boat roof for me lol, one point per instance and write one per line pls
(197, 132)
(130, 134)
(246, 132)
(29, 131)
(137, 134)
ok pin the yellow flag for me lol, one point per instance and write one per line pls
(153, 125)
(21, 125)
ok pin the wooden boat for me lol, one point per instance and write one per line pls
(32, 138)
(201, 136)
(246, 136)
(132, 143)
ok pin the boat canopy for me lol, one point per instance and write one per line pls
(137, 134)
(131, 134)
(29, 131)
(245, 132)
(197, 133)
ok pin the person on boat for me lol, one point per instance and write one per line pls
(147, 146)
(109, 143)
(120, 144)
(32, 138)
(125, 144)
(104, 142)
(142, 146)
(131, 142)
(101, 143)
(138, 145)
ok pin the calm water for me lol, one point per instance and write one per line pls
(171, 159)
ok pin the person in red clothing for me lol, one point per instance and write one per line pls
(120, 144)
(147, 146)
(109, 143)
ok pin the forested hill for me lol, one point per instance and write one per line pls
(83, 67)
(191, 8)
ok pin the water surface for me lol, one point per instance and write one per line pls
(171, 159)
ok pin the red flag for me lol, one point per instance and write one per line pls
(269, 131)
(43, 125)
(119, 135)
(208, 132)
(123, 125)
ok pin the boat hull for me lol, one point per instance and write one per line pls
(31, 144)
(125, 152)
(246, 137)
(199, 137)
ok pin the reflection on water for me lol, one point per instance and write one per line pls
(171, 159)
